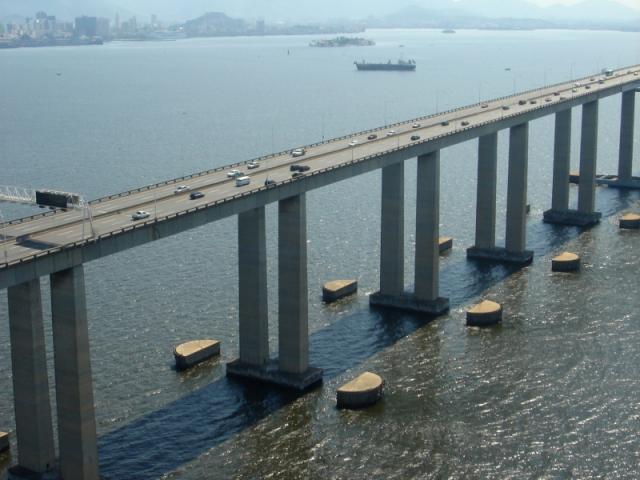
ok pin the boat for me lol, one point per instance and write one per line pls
(401, 65)
(448, 30)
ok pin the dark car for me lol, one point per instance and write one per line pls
(505, 107)
(297, 174)
(587, 87)
(464, 123)
(195, 195)
(522, 102)
(533, 102)
(415, 137)
(303, 168)
(556, 94)
(269, 182)
(372, 136)
(294, 168)
(445, 123)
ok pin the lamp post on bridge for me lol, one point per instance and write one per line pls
(571, 74)
(514, 83)
(4, 236)
(545, 75)
(385, 111)
(480, 92)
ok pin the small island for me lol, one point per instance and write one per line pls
(342, 42)
(448, 30)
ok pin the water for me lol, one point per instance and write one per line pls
(551, 393)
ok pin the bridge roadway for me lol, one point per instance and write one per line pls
(33, 236)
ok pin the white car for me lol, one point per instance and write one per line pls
(354, 143)
(416, 125)
(181, 188)
(253, 165)
(139, 215)
(577, 84)
(235, 173)
(391, 133)
(298, 152)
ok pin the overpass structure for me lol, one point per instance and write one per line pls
(56, 244)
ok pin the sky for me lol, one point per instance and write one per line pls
(545, 3)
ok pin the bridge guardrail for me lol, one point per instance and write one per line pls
(283, 182)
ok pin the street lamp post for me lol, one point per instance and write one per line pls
(480, 92)
(4, 235)
(571, 74)
(514, 83)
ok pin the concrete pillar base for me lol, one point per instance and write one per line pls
(485, 314)
(630, 221)
(565, 262)
(572, 217)
(500, 255)
(408, 301)
(444, 244)
(271, 373)
(362, 392)
(337, 289)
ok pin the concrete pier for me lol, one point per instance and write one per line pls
(484, 314)
(625, 160)
(361, 392)
(486, 191)
(34, 429)
(253, 305)
(392, 231)
(4, 442)
(445, 244)
(74, 389)
(565, 262)
(293, 294)
(197, 351)
(337, 289)
(561, 162)
(516, 234)
(425, 298)
(630, 221)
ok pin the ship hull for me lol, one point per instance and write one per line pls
(384, 66)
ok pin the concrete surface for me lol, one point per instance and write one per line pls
(484, 314)
(337, 289)
(363, 391)
(273, 374)
(565, 262)
(191, 353)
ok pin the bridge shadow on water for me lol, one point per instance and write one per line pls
(179, 432)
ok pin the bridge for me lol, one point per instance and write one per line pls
(59, 243)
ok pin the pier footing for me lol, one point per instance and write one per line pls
(271, 373)
(21, 473)
(408, 301)
(500, 255)
(571, 217)
(444, 244)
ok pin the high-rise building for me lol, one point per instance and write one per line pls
(87, 26)
(117, 21)
(154, 20)
(132, 24)
(41, 16)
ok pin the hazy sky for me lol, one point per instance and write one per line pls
(543, 3)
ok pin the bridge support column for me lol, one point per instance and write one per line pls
(252, 276)
(36, 451)
(625, 161)
(74, 389)
(584, 215)
(392, 231)
(426, 297)
(486, 196)
(516, 233)
(561, 165)
(292, 368)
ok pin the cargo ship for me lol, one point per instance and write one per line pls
(401, 65)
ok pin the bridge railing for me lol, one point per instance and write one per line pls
(285, 152)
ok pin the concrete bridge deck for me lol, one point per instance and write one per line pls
(46, 235)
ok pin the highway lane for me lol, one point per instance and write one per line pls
(113, 215)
